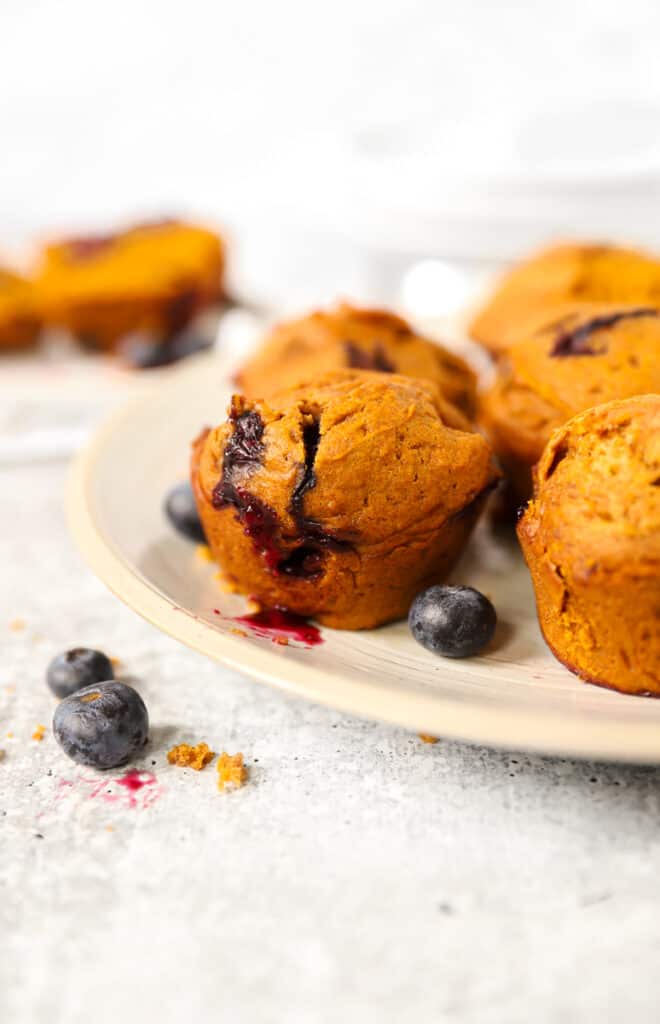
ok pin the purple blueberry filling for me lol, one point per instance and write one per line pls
(83, 249)
(307, 559)
(245, 448)
(578, 342)
(358, 359)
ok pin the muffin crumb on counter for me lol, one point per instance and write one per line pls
(232, 773)
(186, 756)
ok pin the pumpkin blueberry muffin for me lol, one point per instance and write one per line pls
(560, 274)
(583, 357)
(19, 320)
(351, 338)
(151, 278)
(591, 539)
(343, 498)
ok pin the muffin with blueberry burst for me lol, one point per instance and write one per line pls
(351, 338)
(579, 358)
(341, 499)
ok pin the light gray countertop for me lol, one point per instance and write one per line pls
(361, 875)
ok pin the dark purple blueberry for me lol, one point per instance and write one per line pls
(577, 341)
(456, 622)
(181, 510)
(362, 359)
(102, 726)
(76, 669)
(146, 352)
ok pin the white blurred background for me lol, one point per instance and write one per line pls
(344, 145)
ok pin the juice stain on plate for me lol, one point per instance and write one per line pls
(279, 626)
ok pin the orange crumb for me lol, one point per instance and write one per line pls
(115, 662)
(425, 737)
(237, 631)
(226, 585)
(109, 828)
(16, 625)
(283, 641)
(39, 732)
(10, 689)
(203, 551)
(89, 697)
(232, 774)
(186, 756)
(252, 607)
(10, 735)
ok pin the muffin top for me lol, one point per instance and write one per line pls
(148, 259)
(597, 491)
(351, 338)
(354, 458)
(582, 357)
(560, 274)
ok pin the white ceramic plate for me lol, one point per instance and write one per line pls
(515, 695)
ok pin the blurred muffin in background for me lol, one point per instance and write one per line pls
(347, 338)
(583, 357)
(19, 318)
(152, 278)
(560, 274)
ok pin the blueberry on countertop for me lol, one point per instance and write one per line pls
(102, 726)
(77, 668)
(456, 622)
(181, 510)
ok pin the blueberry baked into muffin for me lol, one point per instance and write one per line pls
(348, 337)
(591, 539)
(151, 278)
(341, 499)
(560, 274)
(583, 357)
(19, 319)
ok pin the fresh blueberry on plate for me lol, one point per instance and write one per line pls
(456, 622)
(102, 726)
(76, 669)
(181, 510)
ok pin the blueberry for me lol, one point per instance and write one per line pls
(77, 668)
(181, 510)
(102, 726)
(146, 352)
(454, 621)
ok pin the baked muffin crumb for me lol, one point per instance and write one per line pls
(232, 774)
(426, 737)
(39, 733)
(186, 756)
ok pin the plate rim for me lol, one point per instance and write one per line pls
(492, 724)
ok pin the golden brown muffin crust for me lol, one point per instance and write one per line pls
(591, 538)
(19, 318)
(352, 338)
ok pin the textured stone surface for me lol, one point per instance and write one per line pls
(361, 875)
